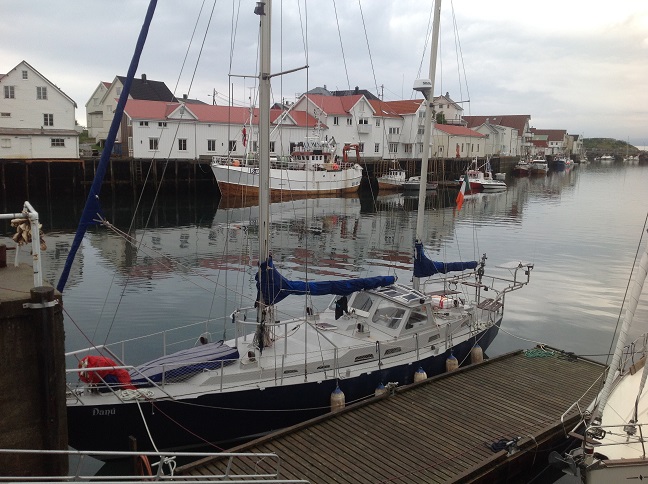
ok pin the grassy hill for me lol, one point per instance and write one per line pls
(608, 145)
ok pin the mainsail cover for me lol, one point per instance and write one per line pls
(424, 267)
(276, 287)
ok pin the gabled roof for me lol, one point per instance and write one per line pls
(207, 113)
(2, 77)
(355, 92)
(458, 130)
(540, 143)
(332, 105)
(408, 106)
(552, 134)
(149, 90)
(515, 121)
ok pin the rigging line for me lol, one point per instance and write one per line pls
(460, 56)
(175, 90)
(166, 163)
(337, 22)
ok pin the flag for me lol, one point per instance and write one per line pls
(244, 136)
(460, 195)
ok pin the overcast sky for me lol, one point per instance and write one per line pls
(579, 66)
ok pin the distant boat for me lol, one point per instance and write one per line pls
(539, 167)
(481, 178)
(394, 179)
(522, 168)
(413, 184)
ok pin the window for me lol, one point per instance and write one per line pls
(361, 147)
(162, 124)
(376, 147)
(421, 130)
(232, 145)
(388, 315)
(25, 75)
(394, 130)
(377, 122)
(255, 147)
(363, 121)
(349, 122)
(41, 93)
(153, 144)
(272, 146)
(420, 148)
(143, 123)
(336, 120)
(182, 144)
(408, 148)
(57, 142)
(5, 142)
(48, 120)
(119, 90)
(5, 115)
(211, 145)
(9, 92)
(393, 147)
(129, 122)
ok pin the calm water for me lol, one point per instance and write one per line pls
(581, 228)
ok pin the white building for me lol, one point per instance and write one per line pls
(507, 135)
(102, 104)
(37, 119)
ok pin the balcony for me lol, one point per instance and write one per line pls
(364, 128)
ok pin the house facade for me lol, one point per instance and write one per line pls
(557, 140)
(141, 89)
(507, 135)
(94, 110)
(179, 130)
(37, 119)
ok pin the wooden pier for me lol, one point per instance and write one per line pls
(450, 428)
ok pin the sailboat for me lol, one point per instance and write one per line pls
(277, 371)
(614, 427)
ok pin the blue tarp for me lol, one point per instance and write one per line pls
(424, 267)
(275, 287)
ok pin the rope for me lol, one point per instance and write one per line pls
(136, 394)
(538, 353)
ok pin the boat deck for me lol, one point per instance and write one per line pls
(438, 430)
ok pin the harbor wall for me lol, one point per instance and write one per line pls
(32, 347)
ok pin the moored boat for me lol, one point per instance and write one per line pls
(539, 166)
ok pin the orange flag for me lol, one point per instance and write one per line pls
(460, 195)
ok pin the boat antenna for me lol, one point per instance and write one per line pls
(92, 206)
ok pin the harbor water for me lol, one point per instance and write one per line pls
(192, 259)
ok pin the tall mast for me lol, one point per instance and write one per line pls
(427, 133)
(264, 10)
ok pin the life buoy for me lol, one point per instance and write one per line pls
(116, 376)
(236, 163)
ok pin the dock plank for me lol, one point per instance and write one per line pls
(439, 430)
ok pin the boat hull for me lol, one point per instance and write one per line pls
(225, 418)
(244, 181)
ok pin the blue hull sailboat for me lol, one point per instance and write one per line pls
(277, 371)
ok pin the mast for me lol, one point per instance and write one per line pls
(635, 294)
(263, 9)
(427, 133)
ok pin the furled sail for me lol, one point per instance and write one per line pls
(275, 287)
(424, 267)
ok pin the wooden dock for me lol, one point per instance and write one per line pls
(439, 430)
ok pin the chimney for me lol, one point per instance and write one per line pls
(355, 90)
(184, 97)
(143, 77)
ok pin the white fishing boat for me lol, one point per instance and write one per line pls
(312, 169)
(280, 369)
(615, 427)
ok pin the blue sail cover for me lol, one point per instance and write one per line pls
(275, 287)
(424, 267)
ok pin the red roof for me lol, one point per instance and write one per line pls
(333, 105)
(551, 134)
(539, 143)
(458, 130)
(208, 113)
(396, 108)
(515, 121)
